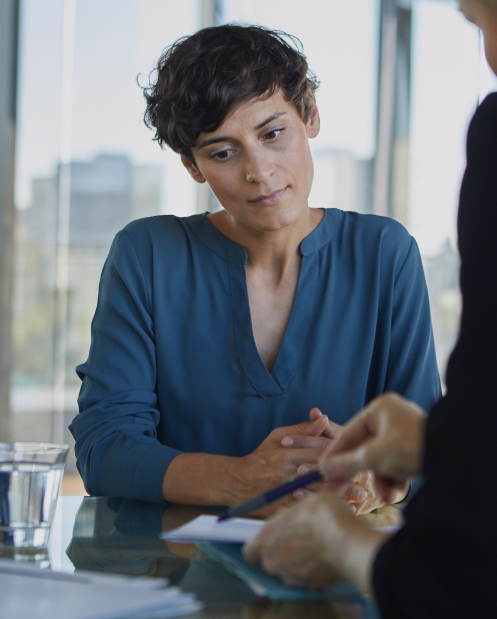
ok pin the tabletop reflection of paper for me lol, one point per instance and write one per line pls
(207, 528)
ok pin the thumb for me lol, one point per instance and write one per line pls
(315, 414)
(317, 427)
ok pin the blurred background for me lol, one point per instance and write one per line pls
(400, 80)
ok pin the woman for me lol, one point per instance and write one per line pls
(443, 562)
(214, 333)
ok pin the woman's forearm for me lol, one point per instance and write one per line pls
(202, 479)
(206, 479)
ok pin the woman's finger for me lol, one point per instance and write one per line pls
(300, 442)
(302, 493)
(304, 455)
(308, 428)
(354, 493)
(332, 429)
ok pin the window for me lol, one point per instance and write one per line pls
(394, 121)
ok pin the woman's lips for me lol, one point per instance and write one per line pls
(269, 199)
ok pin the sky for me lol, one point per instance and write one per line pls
(115, 40)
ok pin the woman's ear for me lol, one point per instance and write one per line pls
(313, 123)
(195, 173)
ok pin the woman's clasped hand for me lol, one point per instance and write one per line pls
(292, 450)
(273, 462)
(319, 541)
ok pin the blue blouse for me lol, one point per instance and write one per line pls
(173, 366)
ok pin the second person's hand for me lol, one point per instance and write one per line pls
(364, 492)
(386, 437)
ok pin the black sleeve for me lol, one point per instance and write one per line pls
(443, 563)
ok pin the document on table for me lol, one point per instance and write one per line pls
(207, 528)
(29, 592)
(235, 530)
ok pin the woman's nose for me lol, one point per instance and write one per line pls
(258, 167)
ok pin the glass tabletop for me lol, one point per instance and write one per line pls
(121, 536)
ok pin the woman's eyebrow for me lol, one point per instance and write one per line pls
(226, 138)
(268, 120)
(223, 138)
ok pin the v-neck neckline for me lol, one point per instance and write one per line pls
(275, 383)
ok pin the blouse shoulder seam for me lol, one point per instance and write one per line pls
(411, 244)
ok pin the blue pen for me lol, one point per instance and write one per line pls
(262, 500)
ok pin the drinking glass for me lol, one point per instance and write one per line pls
(30, 476)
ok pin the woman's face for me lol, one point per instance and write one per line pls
(258, 162)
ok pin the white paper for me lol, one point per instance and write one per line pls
(234, 530)
(31, 592)
(208, 529)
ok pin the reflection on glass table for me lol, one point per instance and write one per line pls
(120, 536)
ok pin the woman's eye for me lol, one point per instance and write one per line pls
(222, 154)
(272, 135)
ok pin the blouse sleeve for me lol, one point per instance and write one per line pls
(117, 450)
(412, 363)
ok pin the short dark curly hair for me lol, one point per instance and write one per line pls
(199, 79)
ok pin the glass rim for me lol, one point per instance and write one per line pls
(33, 447)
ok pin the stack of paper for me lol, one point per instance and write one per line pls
(31, 592)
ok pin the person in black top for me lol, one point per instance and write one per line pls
(443, 562)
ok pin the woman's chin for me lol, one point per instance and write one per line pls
(274, 218)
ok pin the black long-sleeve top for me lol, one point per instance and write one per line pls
(443, 564)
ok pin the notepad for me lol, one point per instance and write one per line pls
(207, 528)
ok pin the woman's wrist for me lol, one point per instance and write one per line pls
(200, 479)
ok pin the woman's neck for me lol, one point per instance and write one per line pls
(274, 250)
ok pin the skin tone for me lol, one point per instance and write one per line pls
(266, 142)
(317, 541)
(363, 488)
(259, 166)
